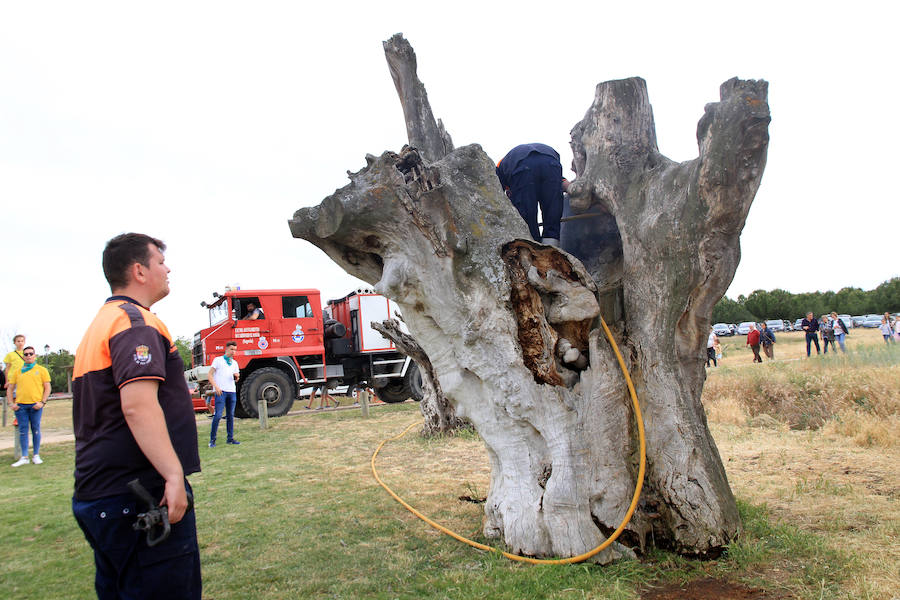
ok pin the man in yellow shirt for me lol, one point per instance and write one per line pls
(14, 359)
(27, 392)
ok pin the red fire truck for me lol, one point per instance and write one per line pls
(294, 344)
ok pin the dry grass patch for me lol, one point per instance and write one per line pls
(847, 494)
(854, 395)
(727, 409)
(432, 474)
(866, 430)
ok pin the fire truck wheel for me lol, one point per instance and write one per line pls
(271, 384)
(414, 378)
(396, 391)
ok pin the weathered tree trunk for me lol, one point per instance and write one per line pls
(679, 225)
(427, 136)
(440, 416)
(511, 326)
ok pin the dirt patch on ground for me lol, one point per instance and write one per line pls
(708, 589)
(48, 436)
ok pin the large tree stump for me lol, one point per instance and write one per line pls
(511, 326)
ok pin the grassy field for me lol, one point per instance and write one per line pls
(293, 512)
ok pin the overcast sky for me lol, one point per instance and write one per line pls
(208, 124)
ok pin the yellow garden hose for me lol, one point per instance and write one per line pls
(527, 559)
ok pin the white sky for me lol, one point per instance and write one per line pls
(208, 123)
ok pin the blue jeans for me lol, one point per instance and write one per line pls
(227, 401)
(126, 568)
(27, 415)
(840, 340)
(812, 338)
(538, 181)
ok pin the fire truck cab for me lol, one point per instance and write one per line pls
(293, 344)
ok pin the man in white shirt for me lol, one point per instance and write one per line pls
(223, 374)
(711, 342)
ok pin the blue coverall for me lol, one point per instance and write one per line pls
(533, 175)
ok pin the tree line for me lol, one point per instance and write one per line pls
(758, 306)
(60, 363)
(781, 304)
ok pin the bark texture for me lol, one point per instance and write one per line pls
(511, 326)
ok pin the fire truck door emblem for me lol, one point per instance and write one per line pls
(297, 336)
(263, 343)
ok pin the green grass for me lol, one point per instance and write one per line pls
(293, 512)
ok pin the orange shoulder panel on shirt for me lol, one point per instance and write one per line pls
(93, 351)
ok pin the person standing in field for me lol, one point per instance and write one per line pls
(711, 348)
(134, 419)
(811, 327)
(826, 328)
(14, 359)
(767, 339)
(753, 342)
(897, 329)
(26, 393)
(840, 330)
(886, 330)
(223, 373)
(893, 325)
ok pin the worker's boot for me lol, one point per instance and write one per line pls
(550, 242)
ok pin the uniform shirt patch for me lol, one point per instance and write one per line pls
(142, 355)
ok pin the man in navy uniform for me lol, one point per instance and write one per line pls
(531, 175)
(134, 419)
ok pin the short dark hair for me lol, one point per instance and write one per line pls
(123, 251)
(29, 348)
(232, 343)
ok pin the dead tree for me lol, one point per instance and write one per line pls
(440, 416)
(511, 326)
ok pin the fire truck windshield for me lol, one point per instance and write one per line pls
(218, 313)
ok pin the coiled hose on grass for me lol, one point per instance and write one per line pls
(527, 559)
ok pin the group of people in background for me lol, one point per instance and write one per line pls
(890, 329)
(763, 337)
(830, 328)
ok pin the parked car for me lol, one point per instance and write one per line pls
(744, 328)
(788, 326)
(798, 325)
(857, 321)
(733, 328)
(722, 329)
(848, 321)
(872, 321)
(775, 324)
